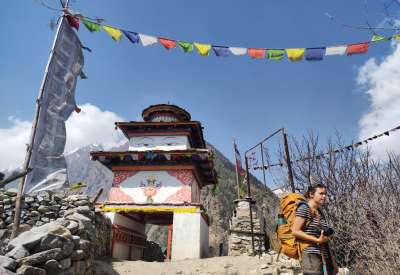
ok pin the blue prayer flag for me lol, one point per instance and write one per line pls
(221, 51)
(314, 54)
(132, 36)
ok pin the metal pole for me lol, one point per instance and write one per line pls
(33, 135)
(263, 164)
(288, 162)
(237, 171)
(250, 204)
(271, 135)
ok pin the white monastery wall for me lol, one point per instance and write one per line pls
(190, 236)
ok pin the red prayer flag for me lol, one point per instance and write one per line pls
(167, 43)
(73, 21)
(357, 48)
(256, 53)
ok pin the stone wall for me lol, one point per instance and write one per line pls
(59, 235)
(240, 236)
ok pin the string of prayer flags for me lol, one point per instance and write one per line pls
(339, 150)
(114, 33)
(203, 49)
(314, 54)
(147, 40)
(295, 54)
(91, 26)
(357, 48)
(132, 36)
(167, 43)
(186, 46)
(276, 54)
(238, 51)
(292, 54)
(256, 53)
(221, 51)
(73, 21)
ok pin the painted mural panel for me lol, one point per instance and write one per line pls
(173, 186)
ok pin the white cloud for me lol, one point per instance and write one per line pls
(381, 82)
(91, 125)
(13, 143)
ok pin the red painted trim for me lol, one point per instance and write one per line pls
(169, 243)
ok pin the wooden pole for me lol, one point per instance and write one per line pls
(236, 168)
(250, 201)
(33, 135)
(288, 162)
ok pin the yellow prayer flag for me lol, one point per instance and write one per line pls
(295, 54)
(396, 37)
(203, 49)
(115, 34)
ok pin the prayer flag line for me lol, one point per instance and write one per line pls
(204, 49)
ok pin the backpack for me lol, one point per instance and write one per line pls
(290, 246)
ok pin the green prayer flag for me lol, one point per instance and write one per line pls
(186, 46)
(275, 54)
(377, 37)
(91, 26)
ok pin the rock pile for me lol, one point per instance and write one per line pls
(59, 238)
(240, 239)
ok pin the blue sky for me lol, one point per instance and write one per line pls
(233, 97)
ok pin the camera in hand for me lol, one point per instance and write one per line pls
(328, 231)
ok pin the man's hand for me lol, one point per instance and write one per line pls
(322, 238)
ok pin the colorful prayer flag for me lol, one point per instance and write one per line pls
(359, 48)
(73, 21)
(221, 51)
(186, 46)
(203, 49)
(147, 40)
(238, 51)
(238, 160)
(396, 37)
(167, 43)
(132, 36)
(377, 38)
(115, 33)
(336, 50)
(91, 26)
(315, 54)
(256, 53)
(295, 54)
(275, 54)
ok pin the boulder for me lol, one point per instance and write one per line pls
(33, 237)
(42, 257)
(18, 252)
(30, 270)
(8, 263)
(4, 271)
(53, 267)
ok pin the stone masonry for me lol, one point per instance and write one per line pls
(240, 231)
(58, 235)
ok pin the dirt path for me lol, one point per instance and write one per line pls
(228, 265)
